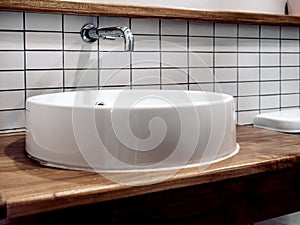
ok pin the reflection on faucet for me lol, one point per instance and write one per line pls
(89, 33)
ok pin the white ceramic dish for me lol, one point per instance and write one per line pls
(287, 121)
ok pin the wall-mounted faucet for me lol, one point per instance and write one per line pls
(89, 33)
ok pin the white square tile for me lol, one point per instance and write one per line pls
(44, 79)
(182, 87)
(145, 76)
(201, 59)
(248, 31)
(36, 92)
(74, 42)
(226, 44)
(44, 60)
(225, 30)
(269, 45)
(11, 60)
(290, 45)
(269, 102)
(146, 43)
(114, 77)
(226, 88)
(12, 99)
(272, 73)
(115, 60)
(226, 74)
(289, 73)
(12, 80)
(145, 59)
(74, 23)
(248, 74)
(270, 31)
(270, 59)
(202, 44)
(11, 40)
(201, 87)
(290, 59)
(248, 88)
(245, 118)
(113, 21)
(248, 45)
(248, 59)
(270, 88)
(174, 76)
(225, 59)
(145, 26)
(290, 32)
(290, 100)
(111, 45)
(43, 40)
(201, 75)
(43, 21)
(12, 119)
(289, 87)
(269, 110)
(174, 43)
(74, 60)
(248, 103)
(81, 78)
(173, 27)
(15, 20)
(199, 28)
(172, 59)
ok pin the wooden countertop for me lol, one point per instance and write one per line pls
(26, 188)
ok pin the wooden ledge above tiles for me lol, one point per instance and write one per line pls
(104, 9)
(261, 181)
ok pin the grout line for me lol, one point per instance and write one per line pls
(143, 68)
(238, 74)
(98, 57)
(188, 54)
(154, 35)
(130, 60)
(13, 109)
(25, 58)
(214, 56)
(280, 70)
(260, 67)
(160, 55)
(63, 52)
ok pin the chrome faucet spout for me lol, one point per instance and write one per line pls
(90, 33)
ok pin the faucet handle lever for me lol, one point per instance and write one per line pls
(109, 38)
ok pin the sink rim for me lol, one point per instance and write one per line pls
(41, 99)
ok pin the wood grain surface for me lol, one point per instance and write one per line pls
(269, 159)
(92, 8)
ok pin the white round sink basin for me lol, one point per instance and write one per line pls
(130, 130)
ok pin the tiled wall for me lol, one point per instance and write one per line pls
(43, 53)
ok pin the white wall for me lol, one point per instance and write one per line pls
(43, 53)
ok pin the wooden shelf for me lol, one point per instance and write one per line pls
(90, 8)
